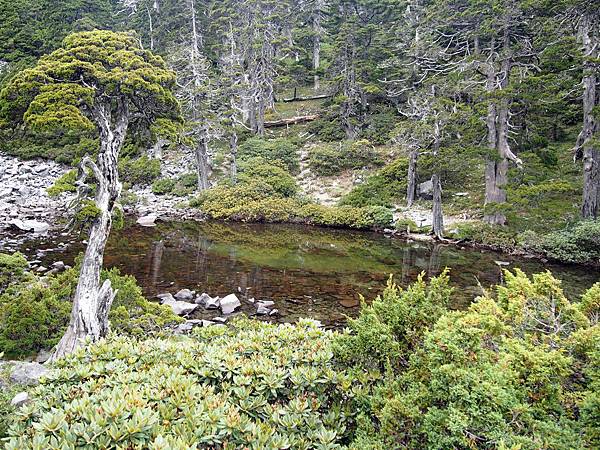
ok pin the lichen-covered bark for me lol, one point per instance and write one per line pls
(587, 148)
(92, 300)
(411, 187)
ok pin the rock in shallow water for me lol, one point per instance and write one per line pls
(30, 225)
(185, 294)
(229, 304)
(203, 299)
(179, 308)
(147, 221)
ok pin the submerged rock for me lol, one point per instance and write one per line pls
(185, 294)
(30, 225)
(262, 310)
(229, 304)
(166, 297)
(188, 325)
(212, 302)
(43, 356)
(263, 307)
(59, 265)
(180, 308)
(203, 299)
(147, 221)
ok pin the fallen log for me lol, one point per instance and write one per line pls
(312, 97)
(290, 121)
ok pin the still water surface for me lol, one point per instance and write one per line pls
(307, 272)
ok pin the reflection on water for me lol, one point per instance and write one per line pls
(308, 272)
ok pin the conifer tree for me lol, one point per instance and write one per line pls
(100, 80)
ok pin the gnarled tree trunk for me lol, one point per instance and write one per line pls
(586, 148)
(233, 142)
(202, 166)
(437, 213)
(496, 169)
(411, 188)
(92, 301)
(317, 32)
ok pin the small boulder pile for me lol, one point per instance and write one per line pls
(186, 301)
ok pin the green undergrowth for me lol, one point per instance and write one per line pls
(578, 242)
(518, 369)
(34, 311)
(258, 201)
(181, 186)
(333, 158)
(254, 385)
(140, 171)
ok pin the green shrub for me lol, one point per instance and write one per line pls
(380, 125)
(578, 244)
(65, 148)
(331, 159)
(183, 186)
(258, 202)
(188, 180)
(271, 150)
(252, 386)
(140, 171)
(392, 327)
(492, 236)
(6, 409)
(163, 186)
(278, 178)
(405, 225)
(13, 270)
(499, 375)
(87, 212)
(65, 183)
(32, 318)
(35, 314)
(328, 128)
(384, 188)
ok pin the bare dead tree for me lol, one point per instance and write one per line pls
(586, 18)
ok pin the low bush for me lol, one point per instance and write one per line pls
(271, 150)
(579, 243)
(384, 188)
(65, 148)
(331, 159)
(255, 385)
(35, 313)
(7, 410)
(13, 270)
(499, 375)
(65, 183)
(277, 177)
(139, 171)
(328, 128)
(163, 186)
(380, 124)
(182, 186)
(518, 369)
(492, 236)
(258, 202)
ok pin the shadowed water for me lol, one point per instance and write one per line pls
(307, 272)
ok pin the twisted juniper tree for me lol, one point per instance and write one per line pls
(101, 80)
